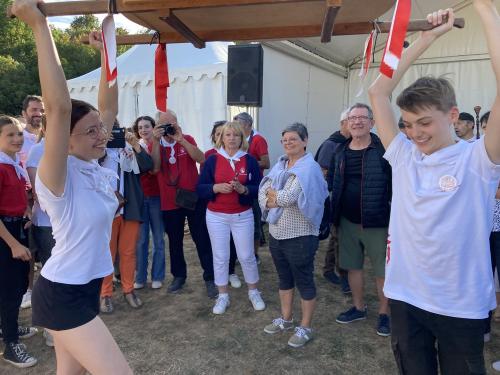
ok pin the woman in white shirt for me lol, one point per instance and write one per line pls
(79, 198)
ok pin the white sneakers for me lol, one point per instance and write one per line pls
(221, 304)
(49, 340)
(156, 284)
(257, 301)
(234, 280)
(138, 286)
(26, 303)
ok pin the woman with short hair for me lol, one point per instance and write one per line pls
(292, 199)
(230, 181)
(234, 280)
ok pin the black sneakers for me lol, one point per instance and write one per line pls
(15, 353)
(23, 332)
(176, 285)
(212, 291)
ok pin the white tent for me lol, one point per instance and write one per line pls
(197, 91)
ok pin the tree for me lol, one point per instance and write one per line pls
(18, 58)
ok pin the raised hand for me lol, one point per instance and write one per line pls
(95, 40)
(442, 20)
(28, 11)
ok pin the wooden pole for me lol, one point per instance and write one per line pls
(277, 33)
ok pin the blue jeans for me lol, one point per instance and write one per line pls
(152, 217)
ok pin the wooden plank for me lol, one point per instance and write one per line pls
(278, 33)
(183, 30)
(329, 20)
(190, 4)
(74, 8)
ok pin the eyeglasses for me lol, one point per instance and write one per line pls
(360, 118)
(290, 140)
(93, 131)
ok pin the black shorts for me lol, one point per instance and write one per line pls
(58, 306)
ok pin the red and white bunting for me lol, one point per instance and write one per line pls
(161, 77)
(109, 42)
(394, 47)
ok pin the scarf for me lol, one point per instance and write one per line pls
(100, 178)
(311, 200)
(231, 159)
(6, 159)
(128, 161)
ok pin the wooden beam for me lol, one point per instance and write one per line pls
(175, 23)
(332, 10)
(190, 4)
(73, 8)
(276, 33)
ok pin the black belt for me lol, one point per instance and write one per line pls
(11, 219)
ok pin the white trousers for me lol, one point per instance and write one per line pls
(220, 226)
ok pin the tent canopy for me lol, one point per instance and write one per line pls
(183, 59)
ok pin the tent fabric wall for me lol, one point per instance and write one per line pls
(197, 93)
(296, 91)
(461, 56)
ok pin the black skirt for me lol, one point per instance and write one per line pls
(58, 306)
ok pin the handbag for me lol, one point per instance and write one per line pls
(324, 228)
(121, 200)
(186, 199)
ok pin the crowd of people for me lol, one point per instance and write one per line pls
(82, 197)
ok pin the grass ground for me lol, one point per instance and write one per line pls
(178, 334)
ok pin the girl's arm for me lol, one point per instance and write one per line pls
(52, 169)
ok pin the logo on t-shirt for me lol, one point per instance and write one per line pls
(242, 170)
(448, 183)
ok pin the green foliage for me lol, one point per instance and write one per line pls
(18, 58)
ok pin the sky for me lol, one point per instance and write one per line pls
(63, 22)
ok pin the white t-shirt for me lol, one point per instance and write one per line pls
(38, 216)
(81, 223)
(29, 142)
(438, 254)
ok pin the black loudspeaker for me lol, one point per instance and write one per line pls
(244, 75)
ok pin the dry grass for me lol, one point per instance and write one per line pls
(178, 334)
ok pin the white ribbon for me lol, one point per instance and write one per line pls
(236, 157)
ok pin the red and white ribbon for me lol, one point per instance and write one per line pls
(109, 42)
(394, 47)
(367, 59)
(367, 53)
(161, 77)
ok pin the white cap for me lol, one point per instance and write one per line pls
(344, 114)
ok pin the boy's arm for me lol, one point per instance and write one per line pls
(381, 90)
(491, 25)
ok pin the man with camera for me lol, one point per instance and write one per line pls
(175, 156)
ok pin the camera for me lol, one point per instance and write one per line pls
(117, 138)
(168, 129)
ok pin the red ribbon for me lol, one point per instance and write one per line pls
(367, 56)
(108, 36)
(394, 47)
(161, 77)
